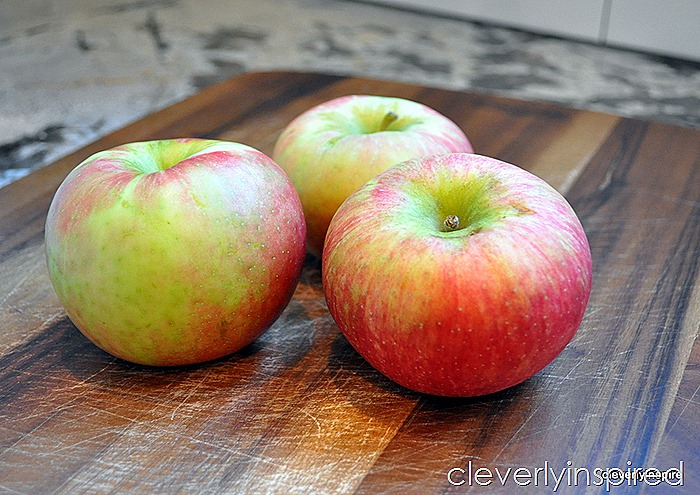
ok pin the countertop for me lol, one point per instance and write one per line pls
(73, 71)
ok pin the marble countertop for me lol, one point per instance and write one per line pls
(74, 70)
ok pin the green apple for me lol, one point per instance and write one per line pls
(332, 149)
(175, 252)
(458, 274)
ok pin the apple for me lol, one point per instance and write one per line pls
(457, 275)
(332, 149)
(176, 251)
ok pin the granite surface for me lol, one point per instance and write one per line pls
(74, 70)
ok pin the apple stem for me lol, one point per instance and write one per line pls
(387, 120)
(451, 223)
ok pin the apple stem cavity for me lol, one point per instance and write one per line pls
(387, 120)
(451, 223)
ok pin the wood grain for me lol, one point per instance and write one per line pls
(299, 411)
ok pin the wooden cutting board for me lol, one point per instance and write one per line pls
(299, 411)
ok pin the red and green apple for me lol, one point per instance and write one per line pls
(176, 251)
(457, 274)
(332, 149)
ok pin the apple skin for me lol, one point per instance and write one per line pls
(332, 149)
(175, 252)
(465, 312)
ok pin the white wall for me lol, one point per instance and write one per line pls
(667, 28)
(671, 27)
